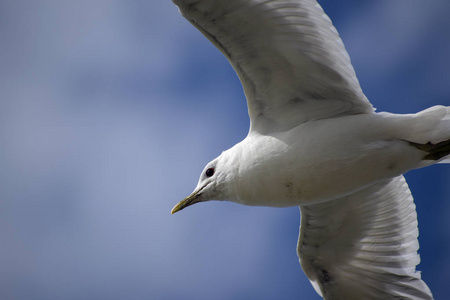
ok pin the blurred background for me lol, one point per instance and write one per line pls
(109, 111)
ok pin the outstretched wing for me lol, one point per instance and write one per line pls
(363, 246)
(289, 57)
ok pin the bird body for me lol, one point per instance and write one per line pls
(297, 168)
(315, 141)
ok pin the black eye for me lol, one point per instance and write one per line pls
(209, 172)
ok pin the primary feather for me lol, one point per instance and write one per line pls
(289, 57)
(363, 246)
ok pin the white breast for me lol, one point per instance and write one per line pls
(297, 168)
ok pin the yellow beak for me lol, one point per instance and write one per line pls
(192, 199)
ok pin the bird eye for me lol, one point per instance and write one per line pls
(209, 172)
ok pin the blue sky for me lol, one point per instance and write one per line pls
(110, 109)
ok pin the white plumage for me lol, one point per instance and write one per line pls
(315, 141)
(287, 55)
(368, 241)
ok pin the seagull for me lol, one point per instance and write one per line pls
(315, 141)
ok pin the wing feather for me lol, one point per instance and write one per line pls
(364, 246)
(289, 57)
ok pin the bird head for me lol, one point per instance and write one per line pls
(214, 183)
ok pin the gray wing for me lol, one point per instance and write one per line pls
(363, 246)
(290, 59)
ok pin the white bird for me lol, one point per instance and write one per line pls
(315, 141)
